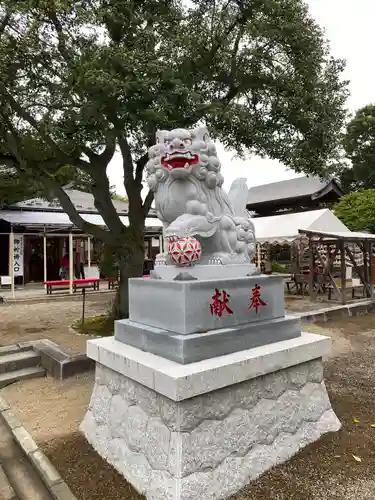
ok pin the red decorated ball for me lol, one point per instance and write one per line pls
(185, 251)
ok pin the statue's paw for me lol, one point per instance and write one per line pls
(215, 260)
(173, 237)
(161, 259)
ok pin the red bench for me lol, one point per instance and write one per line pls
(94, 282)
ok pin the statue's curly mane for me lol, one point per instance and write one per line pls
(205, 177)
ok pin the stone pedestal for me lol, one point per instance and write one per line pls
(206, 386)
(205, 429)
(184, 307)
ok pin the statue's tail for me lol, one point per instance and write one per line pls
(238, 196)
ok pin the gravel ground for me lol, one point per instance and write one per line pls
(49, 320)
(325, 470)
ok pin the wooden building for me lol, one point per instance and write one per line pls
(293, 195)
(39, 232)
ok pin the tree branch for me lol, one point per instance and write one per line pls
(141, 162)
(74, 216)
(8, 160)
(127, 162)
(15, 146)
(60, 35)
(148, 202)
(22, 113)
(4, 22)
(103, 202)
(110, 149)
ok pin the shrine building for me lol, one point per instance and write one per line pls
(293, 195)
(39, 233)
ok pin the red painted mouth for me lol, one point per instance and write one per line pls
(179, 160)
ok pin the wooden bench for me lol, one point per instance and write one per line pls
(114, 282)
(94, 282)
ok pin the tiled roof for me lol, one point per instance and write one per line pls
(83, 202)
(291, 188)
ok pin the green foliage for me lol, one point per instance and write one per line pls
(277, 267)
(258, 73)
(18, 186)
(359, 144)
(357, 210)
(119, 197)
(101, 326)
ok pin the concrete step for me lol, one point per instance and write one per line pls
(10, 377)
(11, 349)
(18, 361)
(6, 490)
(19, 471)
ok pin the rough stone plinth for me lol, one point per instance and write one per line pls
(204, 430)
(185, 306)
(198, 346)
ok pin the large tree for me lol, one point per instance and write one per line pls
(359, 145)
(86, 77)
(18, 185)
(357, 210)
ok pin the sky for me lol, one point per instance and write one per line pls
(349, 28)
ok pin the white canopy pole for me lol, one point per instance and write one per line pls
(45, 259)
(70, 263)
(89, 251)
(11, 255)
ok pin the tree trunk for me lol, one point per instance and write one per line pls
(130, 267)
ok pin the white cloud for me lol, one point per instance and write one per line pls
(349, 28)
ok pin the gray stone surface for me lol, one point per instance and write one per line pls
(6, 490)
(206, 272)
(179, 382)
(25, 440)
(18, 360)
(209, 446)
(11, 419)
(198, 346)
(25, 373)
(61, 491)
(3, 405)
(59, 363)
(185, 306)
(47, 471)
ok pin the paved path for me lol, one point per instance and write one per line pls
(37, 290)
(51, 320)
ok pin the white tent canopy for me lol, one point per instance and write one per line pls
(284, 228)
(55, 220)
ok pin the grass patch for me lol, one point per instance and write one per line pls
(95, 325)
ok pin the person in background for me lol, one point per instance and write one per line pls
(79, 267)
(64, 271)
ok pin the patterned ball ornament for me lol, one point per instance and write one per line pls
(185, 251)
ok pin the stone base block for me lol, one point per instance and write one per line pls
(206, 272)
(198, 346)
(186, 307)
(204, 430)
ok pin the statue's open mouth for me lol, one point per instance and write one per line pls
(179, 159)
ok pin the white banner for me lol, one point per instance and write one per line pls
(18, 255)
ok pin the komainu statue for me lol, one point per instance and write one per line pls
(184, 172)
